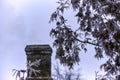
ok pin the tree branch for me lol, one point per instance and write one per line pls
(95, 44)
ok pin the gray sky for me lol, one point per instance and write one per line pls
(24, 22)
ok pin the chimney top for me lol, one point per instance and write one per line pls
(33, 49)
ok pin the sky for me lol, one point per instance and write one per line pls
(25, 22)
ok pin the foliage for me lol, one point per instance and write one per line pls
(98, 25)
(31, 69)
(66, 74)
(103, 77)
(17, 74)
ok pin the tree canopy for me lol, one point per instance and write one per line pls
(98, 25)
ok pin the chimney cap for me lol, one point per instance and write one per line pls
(46, 49)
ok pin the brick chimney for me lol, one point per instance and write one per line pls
(41, 56)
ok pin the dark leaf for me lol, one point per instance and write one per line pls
(99, 53)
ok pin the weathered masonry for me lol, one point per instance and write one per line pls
(38, 62)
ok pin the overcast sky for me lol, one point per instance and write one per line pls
(24, 22)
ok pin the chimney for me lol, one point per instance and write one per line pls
(118, 77)
(38, 62)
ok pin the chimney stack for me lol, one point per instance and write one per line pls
(38, 62)
(118, 77)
